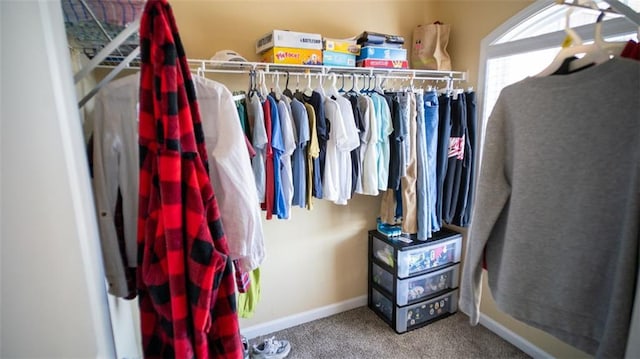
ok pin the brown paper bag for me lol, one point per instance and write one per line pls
(429, 50)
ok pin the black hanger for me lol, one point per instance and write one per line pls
(287, 92)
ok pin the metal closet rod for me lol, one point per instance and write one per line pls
(236, 67)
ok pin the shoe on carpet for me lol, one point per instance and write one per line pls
(271, 349)
(245, 347)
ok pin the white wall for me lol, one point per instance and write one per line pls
(53, 301)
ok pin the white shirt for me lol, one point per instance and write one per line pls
(351, 142)
(369, 147)
(343, 138)
(231, 174)
(115, 165)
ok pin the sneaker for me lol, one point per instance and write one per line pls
(245, 347)
(271, 349)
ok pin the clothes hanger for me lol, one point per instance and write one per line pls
(378, 85)
(602, 50)
(287, 92)
(333, 90)
(252, 81)
(277, 91)
(341, 89)
(599, 52)
(354, 84)
(264, 91)
(308, 91)
(320, 87)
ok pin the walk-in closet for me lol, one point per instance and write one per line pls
(168, 190)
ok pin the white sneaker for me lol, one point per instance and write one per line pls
(271, 349)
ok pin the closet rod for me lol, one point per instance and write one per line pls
(214, 66)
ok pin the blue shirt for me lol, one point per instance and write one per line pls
(277, 144)
(301, 122)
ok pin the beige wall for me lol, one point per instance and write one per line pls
(318, 257)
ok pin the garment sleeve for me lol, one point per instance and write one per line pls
(106, 144)
(492, 193)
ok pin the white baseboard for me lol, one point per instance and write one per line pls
(513, 338)
(304, 317)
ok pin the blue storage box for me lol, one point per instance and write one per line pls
(382, 53)
(332, 58)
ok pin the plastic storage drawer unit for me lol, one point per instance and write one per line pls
(417, 257)
(416, 315)
(417, 288)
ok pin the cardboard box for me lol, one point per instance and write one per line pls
(382, 53)
(293, 56)
(384, 64)
(332, 58)
(345, 46)
(292, 39)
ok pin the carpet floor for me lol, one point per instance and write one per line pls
(360, 333)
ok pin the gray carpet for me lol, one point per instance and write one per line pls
(360, 333)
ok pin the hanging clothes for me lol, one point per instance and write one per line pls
(260, 141)
(408, 181)
(557, 206)
(231, 174)
(278, 149)
(444, 132)
(369, 146)
(185, 277)
(455, 157)
(313, 154)
(463, 209)
(289, 142)
(316, 100)
(301, 121)
(269, 197)
(115, 181)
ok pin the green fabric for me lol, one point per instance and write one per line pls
(247, 302)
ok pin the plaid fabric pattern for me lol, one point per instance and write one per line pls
(185, 278)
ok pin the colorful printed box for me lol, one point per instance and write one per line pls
(382, 53)
(344, 46)
(332, 58)
(292, 56)
(385, 64)
(292, 39)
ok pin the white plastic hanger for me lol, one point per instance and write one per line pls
(264, 91)
(333, 89)
(601, 50)
(308, 91)
(320, 87)
(277, 91)
(596, 53)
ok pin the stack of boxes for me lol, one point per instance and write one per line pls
(290, 47)
(381, 51)
(340, 52)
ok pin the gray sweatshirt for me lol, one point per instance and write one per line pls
(558, 204)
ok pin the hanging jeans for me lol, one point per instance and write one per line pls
(422, 175)
(453, 178)
(463, 208)
(444, 131)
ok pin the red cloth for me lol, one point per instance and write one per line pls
(185, 277)
(269, 190)
(631, 50)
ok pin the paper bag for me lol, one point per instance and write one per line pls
(429, 50)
